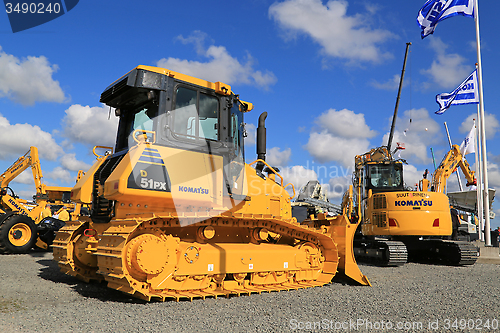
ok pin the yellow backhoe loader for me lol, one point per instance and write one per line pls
(22, 224)
(177, 213)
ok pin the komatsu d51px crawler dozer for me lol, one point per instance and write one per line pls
(177, 213)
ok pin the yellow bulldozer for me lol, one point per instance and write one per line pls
(25, 224)
(176, 213)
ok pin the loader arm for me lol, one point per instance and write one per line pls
(22, 163)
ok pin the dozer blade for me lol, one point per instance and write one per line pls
(342, 232)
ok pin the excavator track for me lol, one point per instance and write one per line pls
(448, 252)
(120, 260)
(381, 252)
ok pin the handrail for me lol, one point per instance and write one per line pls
(270, 167)
(276, 173)
(141, 131)
(104, 147)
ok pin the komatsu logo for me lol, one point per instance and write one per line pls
(199, 190)
(19, 208)
(16, 168)
(413, 203)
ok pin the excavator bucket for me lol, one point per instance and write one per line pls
(342, 232)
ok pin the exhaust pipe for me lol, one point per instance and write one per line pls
(261, 141)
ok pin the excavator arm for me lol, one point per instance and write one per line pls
(448, 165)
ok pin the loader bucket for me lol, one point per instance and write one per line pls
(342, 232)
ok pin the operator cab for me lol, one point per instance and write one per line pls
(384, 177)
(177, 111)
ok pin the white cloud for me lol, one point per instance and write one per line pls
(198, 39)
(327, 147)
(61, 175)
(447, 70)
(337, 187)
(276, 157)
(26, 177)
(251, 137)
(421, 132)
(345, 123)
(493, 175)
(391, 84)
(29, 80)
(491, 124)
(339, 35)
(90, 125)
(411, 176)
(18, 138)
(221, 66)
(298, 176)
(341, 135)
(69, 161)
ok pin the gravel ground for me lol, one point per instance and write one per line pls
(36, 297)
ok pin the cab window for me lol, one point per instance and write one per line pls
(136, 118)
(195, 114)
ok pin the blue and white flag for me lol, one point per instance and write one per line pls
(434, 11)
(466, 93)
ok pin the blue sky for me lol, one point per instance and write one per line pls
(326, 73)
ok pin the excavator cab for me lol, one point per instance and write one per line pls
(384, 177)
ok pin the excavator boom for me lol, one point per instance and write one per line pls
(448, 165)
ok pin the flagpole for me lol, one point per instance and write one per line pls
(486, 200)
(451, 147)
(479, 181)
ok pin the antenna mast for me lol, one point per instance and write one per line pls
(397, 99)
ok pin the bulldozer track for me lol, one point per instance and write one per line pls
(64, 248)
(114, 256)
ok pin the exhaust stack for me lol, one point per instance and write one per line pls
(261, 141)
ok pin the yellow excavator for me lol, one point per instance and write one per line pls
(451, 161)
(398, 223)
(176, 213)
(21, 226)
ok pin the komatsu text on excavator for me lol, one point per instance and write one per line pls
(177, 213)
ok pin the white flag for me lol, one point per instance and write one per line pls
(465, 93)
(467, 145)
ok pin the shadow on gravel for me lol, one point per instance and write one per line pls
(40, 253)
(374, 264)
(95, 290)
